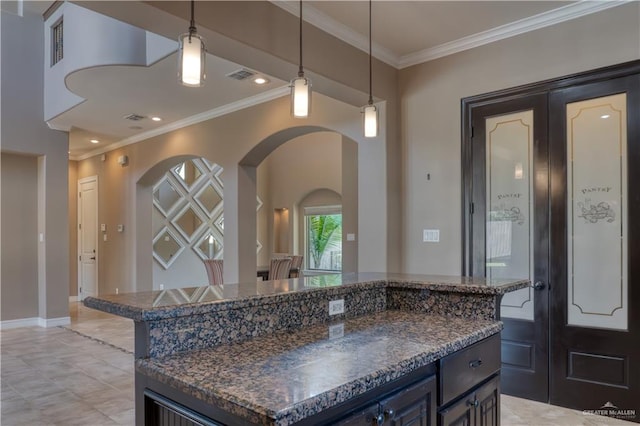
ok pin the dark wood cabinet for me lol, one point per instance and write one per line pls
(460, 389)
(480, 407)
(414, 405)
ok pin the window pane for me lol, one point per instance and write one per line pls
(324, 242)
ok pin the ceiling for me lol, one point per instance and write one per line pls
(404, 33)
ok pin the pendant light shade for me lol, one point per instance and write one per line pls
(192, 56)
(369, 111)
(300, 86)
(300, 97)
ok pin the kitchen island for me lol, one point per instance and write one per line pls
(338, 349)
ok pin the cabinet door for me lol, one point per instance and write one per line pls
(415, 405)
(461, 413)
(480, 407)
(488, 405)
(366, 416)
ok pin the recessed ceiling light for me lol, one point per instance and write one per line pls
(94, 141)
(260, 80)
(156, 119)
(605, 116)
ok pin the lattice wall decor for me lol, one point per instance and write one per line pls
(190, 199)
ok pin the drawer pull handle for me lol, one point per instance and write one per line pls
(475, 363)
(388, 413)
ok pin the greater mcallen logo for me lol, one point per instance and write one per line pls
(610, 410)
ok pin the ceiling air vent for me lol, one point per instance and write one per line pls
(134, 117)
(241, 74)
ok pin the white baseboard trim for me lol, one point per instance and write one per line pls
(17, 323)
(34, 322)
(73, 299)
(54, 322)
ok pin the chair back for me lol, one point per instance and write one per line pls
(296, 266)
(279, 268)
(214, 271)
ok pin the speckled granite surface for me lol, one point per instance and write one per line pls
(285, 377)
(155, 305)
(187, 333)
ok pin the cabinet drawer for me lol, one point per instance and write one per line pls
(464, 369)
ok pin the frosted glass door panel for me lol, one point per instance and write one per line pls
(597, 212)
(509, 244)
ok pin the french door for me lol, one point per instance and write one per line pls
(595, 243)
(552, 194)
(510, 201)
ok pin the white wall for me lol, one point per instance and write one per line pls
(430, 109)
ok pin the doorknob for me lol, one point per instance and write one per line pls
(539, 285)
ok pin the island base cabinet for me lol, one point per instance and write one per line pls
(414, 405)
(481, 407)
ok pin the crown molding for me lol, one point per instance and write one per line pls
(532, 23)
(194, 119)
(329, 25)
(357, 40)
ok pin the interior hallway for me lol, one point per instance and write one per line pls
(82, 375)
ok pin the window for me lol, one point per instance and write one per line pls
(323, 238)
(56, 42)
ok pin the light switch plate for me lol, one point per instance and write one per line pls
(431, 235)
(103, 227)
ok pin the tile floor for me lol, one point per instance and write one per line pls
(82, 374)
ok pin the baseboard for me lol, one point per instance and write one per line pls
(34, 322)
(54, 322)
(17, 323)
(73, 299)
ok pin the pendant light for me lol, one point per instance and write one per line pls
(300, 86)
(370, 111)
(191, 60)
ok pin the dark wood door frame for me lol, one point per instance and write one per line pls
(474, 106)
(468, 104)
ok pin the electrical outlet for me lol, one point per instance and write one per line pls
(161, 286)
(336, 331)
(117, 290)
(336, 307)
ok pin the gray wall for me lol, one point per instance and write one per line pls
(24, 131)
(431, 94)
(18, 175)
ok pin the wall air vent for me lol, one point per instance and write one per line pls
(241, 74)
(134, 117)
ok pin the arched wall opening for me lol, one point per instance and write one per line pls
(238, 142)
(317, 161)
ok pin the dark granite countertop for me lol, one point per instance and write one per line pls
(153, 305)
(285, 377)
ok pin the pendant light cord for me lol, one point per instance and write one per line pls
(192, 25)
(370, 63)
(300, 70)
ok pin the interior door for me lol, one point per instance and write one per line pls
(510, 228)
(595, 187)
(87, 237)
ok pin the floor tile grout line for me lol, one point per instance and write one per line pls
(96, 340)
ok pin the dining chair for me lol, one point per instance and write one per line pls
(214, 270)
(296, 266)
(279, 268)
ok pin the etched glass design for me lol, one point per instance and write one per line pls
(509, 242)
(597, 213)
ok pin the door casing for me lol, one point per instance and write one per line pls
(469, 105)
